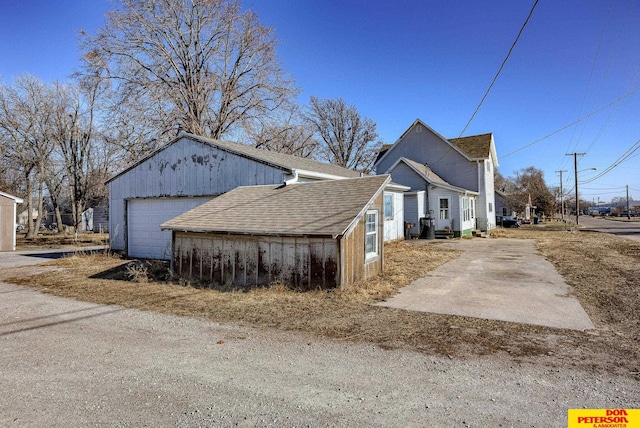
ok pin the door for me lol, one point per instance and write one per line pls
(144, 217)
(443, 220)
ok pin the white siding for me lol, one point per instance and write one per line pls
(394, 225)
(186, 168)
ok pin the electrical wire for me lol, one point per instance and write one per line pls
(572, 123)
(626, 155)
(513, 45)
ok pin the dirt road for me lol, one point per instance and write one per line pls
(68, 363)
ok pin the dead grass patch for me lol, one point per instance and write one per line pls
(603, 269)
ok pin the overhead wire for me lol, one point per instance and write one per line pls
(626, 155)
(572, 123)
(513, 45)
(586, 91)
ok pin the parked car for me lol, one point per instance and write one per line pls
(507, 222)
(19, 227)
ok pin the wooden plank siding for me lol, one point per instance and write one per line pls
(246, 261)
(354, 265)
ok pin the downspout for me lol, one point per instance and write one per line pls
(292, 180)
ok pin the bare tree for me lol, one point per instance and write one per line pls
(348, 139)
(72, 129)
(202, 66)
(286, 132)
(24, 119)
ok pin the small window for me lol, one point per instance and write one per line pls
(444, 209)
(388, 206)
(504, 211)
(371, 235)
(490, 207)
(488, 166)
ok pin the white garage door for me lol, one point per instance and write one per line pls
(144, 217)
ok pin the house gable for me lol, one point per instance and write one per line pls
(425, 146)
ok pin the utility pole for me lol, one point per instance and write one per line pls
(628, 212)
(575, 167)
(561, 195)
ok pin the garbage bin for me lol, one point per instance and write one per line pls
(535, 220)
(427, 228)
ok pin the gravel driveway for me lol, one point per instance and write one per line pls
(68, 363)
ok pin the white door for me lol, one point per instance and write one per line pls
(144, 217)
(444, 214)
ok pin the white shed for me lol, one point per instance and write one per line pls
(8, 214)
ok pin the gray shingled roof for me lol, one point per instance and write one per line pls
(426, 171)
(475, 146)
(325, 208)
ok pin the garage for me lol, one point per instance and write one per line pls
(144, 238)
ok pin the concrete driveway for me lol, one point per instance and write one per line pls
(500, 279)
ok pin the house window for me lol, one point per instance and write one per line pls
(490, 207)
(371, 235)
(444, 209)
(504, 211)
(388, 206)
(488, 166)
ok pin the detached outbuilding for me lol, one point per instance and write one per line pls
(313, 235)
(8, 214)
(187, 172)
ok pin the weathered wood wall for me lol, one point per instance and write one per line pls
(308, 263)
(355, 267)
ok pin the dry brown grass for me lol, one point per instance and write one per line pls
(603, 269)
(49, 239)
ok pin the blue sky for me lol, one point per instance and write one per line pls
(401, 60)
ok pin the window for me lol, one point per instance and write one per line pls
(490, 207)
(388, 206)
(488, 166)
(371, 235)
(504, 211)
(444, 209)
(466, 209)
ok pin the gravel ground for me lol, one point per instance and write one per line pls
(69, 363)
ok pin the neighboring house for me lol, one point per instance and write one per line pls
(459, 173)
(8, 214)
(96, 218)
(315, 235)
(187, 172)
(23, 216)
(505, 205)
(452, 208)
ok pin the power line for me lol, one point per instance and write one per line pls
(513, 45)
(572, 123)
(635, 147)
